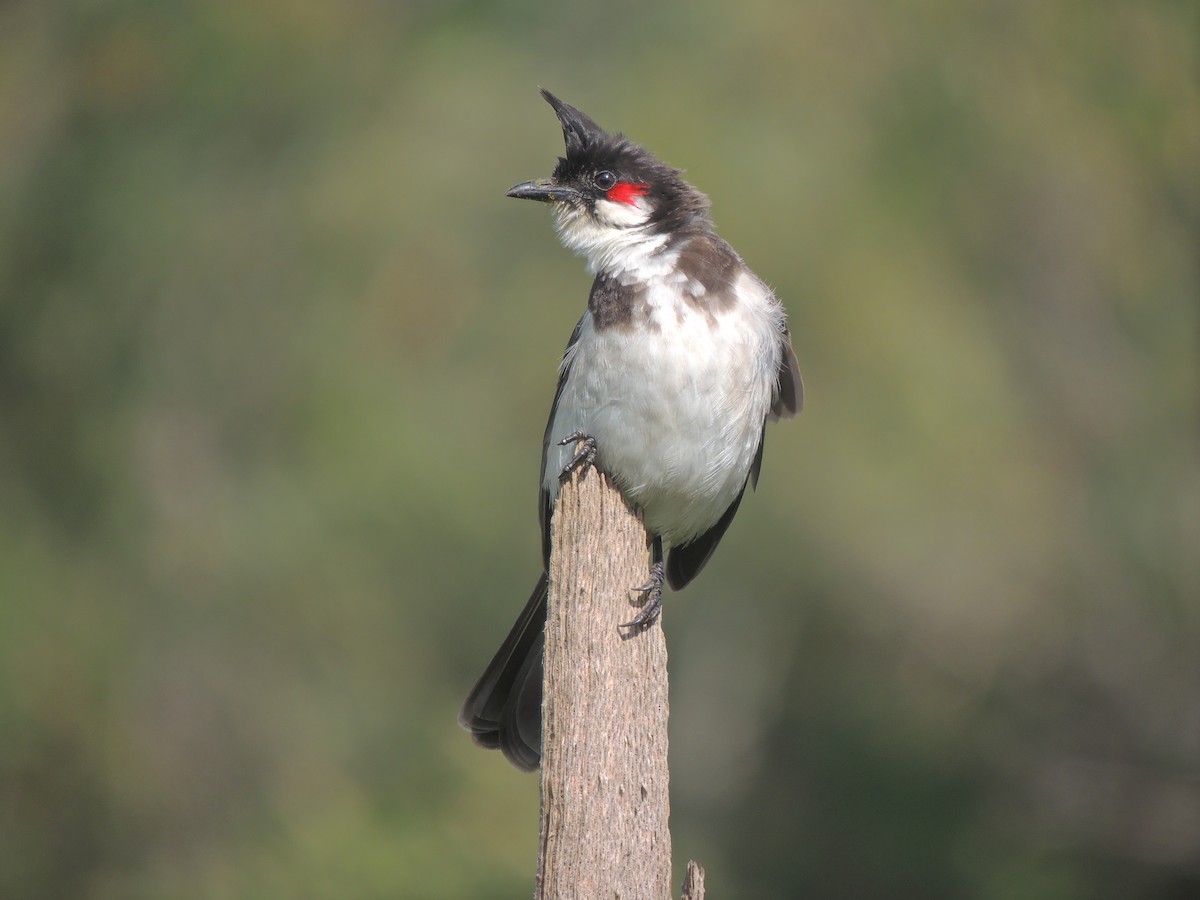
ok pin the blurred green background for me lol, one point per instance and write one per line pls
(275, 359)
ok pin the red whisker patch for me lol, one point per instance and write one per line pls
(627, 192)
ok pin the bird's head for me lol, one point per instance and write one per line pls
(610, 196)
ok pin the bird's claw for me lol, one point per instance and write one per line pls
(652, 605)
(585, 456)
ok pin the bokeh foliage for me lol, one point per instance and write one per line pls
(275, 356)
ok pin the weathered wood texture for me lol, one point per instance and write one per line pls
(605, 782)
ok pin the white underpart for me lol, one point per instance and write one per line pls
(676, 408)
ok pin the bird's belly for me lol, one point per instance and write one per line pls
(676, 410)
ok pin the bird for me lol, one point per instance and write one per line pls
(680, 359)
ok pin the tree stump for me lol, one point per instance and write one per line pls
(605, 800)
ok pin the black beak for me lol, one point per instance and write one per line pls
(543, 189)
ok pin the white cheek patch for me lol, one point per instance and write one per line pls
(618, 214)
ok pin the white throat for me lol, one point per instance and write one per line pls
(617, 240)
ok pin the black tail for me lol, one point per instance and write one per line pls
(504, 709)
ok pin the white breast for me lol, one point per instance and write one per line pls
(676, 404)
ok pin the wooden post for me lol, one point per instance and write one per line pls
(605, 781)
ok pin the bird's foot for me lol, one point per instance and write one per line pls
(585, 456)
(652, 604)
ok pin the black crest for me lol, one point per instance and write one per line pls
(579, 131)
(589, 148)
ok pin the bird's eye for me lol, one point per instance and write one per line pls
(604, 180)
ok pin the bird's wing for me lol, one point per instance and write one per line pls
(545, 501)
(789, 388)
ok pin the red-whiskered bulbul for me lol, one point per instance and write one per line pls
(667, 382)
